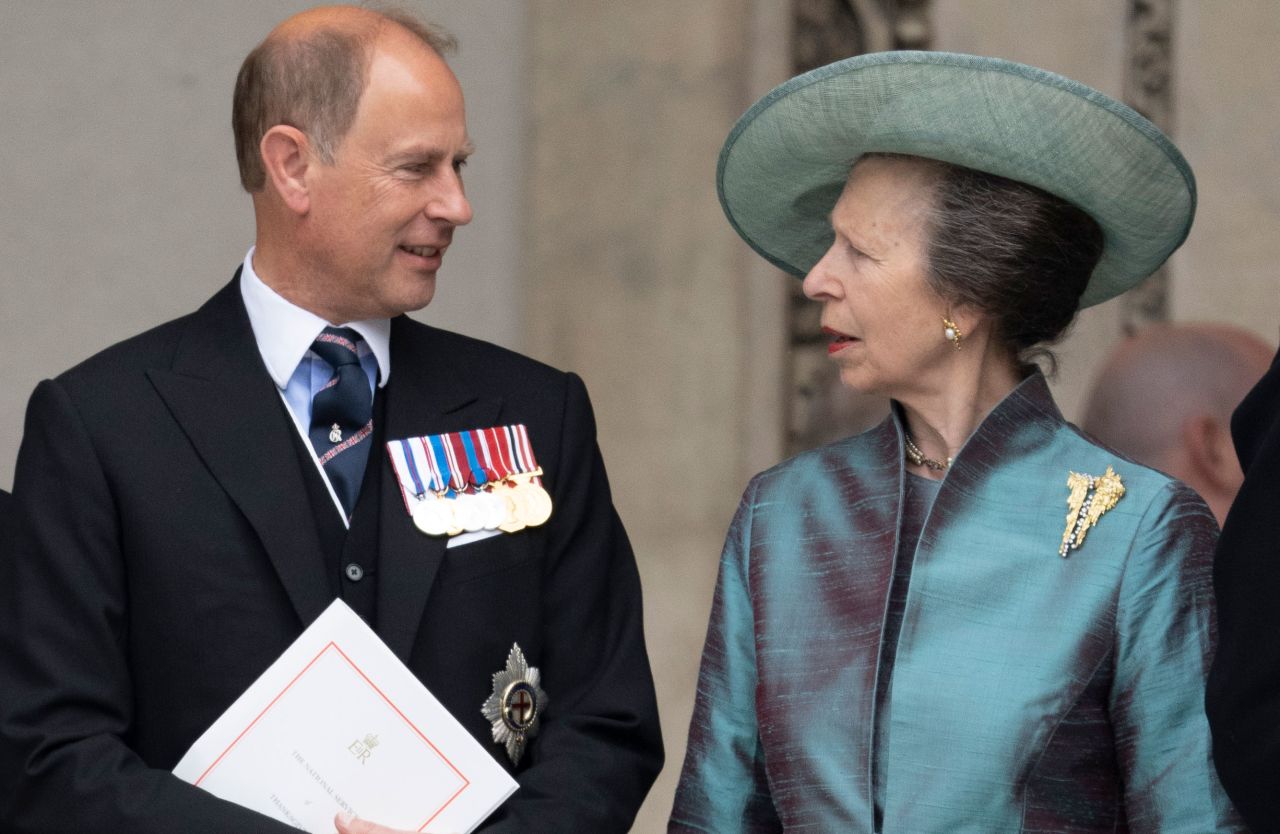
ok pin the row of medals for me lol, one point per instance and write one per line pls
(507, 505)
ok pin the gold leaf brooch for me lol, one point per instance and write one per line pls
(1091, 497)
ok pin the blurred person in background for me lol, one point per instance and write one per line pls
(1164, 397)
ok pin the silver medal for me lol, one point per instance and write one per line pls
(468, 513)
(495, 509)
(434, 515)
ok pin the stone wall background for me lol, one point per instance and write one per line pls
(638, 284)
(598, 243)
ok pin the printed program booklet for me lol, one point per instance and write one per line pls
(338, 723)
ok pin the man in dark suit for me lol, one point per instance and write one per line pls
(190, 499)
(1243, 698)
(5, 498)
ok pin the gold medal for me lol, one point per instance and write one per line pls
(512, 523)
(532, 501)
(535, 504)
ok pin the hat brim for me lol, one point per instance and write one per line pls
(785, 162)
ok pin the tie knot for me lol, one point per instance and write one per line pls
(338, 346)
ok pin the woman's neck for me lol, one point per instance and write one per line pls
(939, 421)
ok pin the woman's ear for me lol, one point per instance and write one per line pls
(286, 156)
(969, 321)
(972, 318)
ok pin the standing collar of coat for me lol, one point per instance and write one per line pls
(1024, 420)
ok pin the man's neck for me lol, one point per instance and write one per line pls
(288, 278)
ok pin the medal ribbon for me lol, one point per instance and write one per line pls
(526, 449)
(406, 472)
(450, 472)
(460, 462)
(502, 457)
(482, 442)
(406, 449)
(513, 448)
(456, 444)
(479, 476)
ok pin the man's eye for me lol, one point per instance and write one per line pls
(459, 164)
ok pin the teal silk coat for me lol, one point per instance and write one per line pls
(1030, 693)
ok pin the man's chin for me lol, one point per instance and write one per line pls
(416, 297)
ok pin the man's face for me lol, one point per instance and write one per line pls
(381, 216)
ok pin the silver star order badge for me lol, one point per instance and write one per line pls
(515, 707)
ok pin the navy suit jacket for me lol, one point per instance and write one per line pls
(165, 553)
(1243, 699)
(5, 500)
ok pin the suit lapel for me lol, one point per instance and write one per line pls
(219, 392)
(428, 393)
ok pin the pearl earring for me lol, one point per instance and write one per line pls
(951, 332)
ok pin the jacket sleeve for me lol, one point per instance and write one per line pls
(66, 711)
(1243, 698)
(600, 747)
(723, 786)
(1164, 642)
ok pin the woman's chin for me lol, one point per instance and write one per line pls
(859, 381)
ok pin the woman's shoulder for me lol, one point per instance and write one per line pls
(873, 454)
(1155, 500)
(1138, 477)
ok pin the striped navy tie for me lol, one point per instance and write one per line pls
(342, 414)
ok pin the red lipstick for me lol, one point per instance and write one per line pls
(839, 341)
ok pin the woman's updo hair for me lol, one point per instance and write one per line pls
(1017, 253)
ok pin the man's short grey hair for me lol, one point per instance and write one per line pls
(313, 83)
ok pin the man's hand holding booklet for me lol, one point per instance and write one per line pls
(339, 725)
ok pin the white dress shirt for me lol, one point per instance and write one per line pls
(284, 333)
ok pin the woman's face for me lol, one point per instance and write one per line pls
(884, 319)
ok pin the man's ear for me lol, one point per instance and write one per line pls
(1210, 450)
(286, 156)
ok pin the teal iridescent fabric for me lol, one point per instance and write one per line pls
(1029, 693)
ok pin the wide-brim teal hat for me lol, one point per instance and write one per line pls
(785, 162)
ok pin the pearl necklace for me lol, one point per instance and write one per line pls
(918, 458)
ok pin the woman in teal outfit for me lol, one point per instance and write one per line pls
(971, 618)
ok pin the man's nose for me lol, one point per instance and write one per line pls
(451, 204)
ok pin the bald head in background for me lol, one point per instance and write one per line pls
(1165, 398)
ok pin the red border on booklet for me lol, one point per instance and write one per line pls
(332, 645)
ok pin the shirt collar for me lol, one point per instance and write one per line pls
(284, 331)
